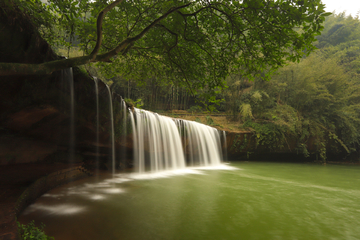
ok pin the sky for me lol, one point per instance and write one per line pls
(350, 6)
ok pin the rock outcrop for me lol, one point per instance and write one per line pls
(35, 117)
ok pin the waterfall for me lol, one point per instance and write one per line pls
(67, 75)
(97, 123)
(204, 143)
(135, 142)
(112, 131)
(158, 144)
(225, 146)
(124, 133)
(161, 143)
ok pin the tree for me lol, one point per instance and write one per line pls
(195, 43)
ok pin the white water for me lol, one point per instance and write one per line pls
(158, 146)
(124, 127)
(203, 145)
(67, 75)
(134, 135)
(225, 146)
(161, 143)
(112, 131)
(160, 137)
(97, 123)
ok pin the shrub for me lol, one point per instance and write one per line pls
(30, 231)
(195, 108)
(138, 103)
(209, 120)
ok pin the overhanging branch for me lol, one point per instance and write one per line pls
(99, 27)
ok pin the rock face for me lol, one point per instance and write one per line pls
(35, 119)
(243, 146)
(35, 110)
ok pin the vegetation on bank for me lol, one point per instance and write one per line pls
(31, 232)
(317, 101)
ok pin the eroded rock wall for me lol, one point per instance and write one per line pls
(35, 110)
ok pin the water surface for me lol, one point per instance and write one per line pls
(252, 201)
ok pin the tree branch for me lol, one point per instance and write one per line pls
(126, 43)
(172, 33)
(171, 10)
(8, 69)
(99, 27)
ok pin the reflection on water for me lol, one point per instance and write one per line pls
(252, 201)
(97, 197)
(61, 209)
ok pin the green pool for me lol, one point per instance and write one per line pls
(252, 200)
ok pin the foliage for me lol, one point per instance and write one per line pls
(138, 103)
(195, 108)
(188, 46)
(30, 231)
(237, 86)
(193, 44)
(245, 111)
(267, 134)
(316, 102)
(302, 148)
(37, 12)
(209, 120)
(339, 28)
(239, 143)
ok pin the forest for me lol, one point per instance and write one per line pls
(317, 98)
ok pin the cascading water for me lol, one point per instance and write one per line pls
(124, 127)
(158, 145)
(97, 123)
(225, 146)
(203, 143)
(112, 131)
(161, 143)
(135, 141)
(67, 75)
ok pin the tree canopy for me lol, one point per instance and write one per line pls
(195, 43)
